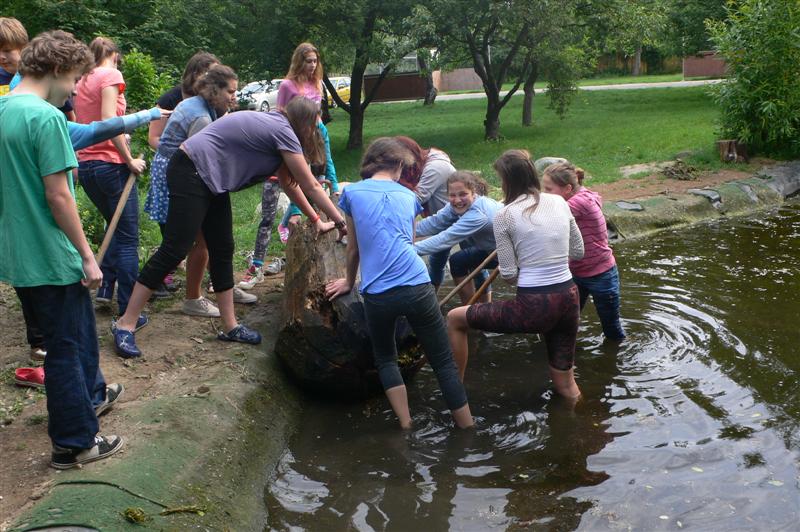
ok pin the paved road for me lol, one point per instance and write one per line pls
(629, 86)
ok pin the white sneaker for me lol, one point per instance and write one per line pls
(240, 296)
(200, 307)
(275, 266)
(252, 277)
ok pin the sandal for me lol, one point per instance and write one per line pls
(31, 377)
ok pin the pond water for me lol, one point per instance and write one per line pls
(692, 423)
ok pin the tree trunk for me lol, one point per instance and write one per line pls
(355, 139)
(527, 99)
(325, 344)
(637, 61)
(430, 88)
(492, 123)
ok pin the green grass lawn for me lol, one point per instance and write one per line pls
(601, 132)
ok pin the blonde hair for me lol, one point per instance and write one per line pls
(13, 33)
(298, 64)
(563, 174)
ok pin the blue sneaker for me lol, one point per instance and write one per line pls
(242, 334)
(140, 323)
(105, 293)
(125, 344)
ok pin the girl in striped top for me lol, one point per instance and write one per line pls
(596, 273)
(536, 235)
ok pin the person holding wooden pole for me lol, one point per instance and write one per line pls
(466, 220)
(536, 236)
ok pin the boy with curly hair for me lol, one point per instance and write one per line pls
(44, 252)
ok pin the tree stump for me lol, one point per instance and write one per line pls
(325, 345)
(732, 151)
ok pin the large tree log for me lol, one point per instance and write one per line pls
(325, 345)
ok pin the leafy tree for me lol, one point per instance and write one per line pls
(760, 100)
(640, 23)
(687, 32)
(505, 41)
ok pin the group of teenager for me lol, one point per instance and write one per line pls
(204, 153)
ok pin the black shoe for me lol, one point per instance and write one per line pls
(113, 392)
(104, 446)
(160, 293)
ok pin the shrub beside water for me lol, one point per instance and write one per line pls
(760, 101)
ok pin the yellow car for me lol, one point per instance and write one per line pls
(342, 86)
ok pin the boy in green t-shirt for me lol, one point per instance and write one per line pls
(43, 251)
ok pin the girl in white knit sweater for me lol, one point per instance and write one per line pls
(536, 237)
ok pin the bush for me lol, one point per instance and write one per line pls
(760, 101)
(144, 84)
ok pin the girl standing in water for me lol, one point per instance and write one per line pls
(394, 281)
(536, 236)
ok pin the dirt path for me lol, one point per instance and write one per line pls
(656, 184)
(179, 351)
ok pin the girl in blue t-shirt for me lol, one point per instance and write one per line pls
(394, 280)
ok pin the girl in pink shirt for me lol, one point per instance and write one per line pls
(596, 273)
(104, 168)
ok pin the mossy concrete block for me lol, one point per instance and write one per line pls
(742, 197)
(658, 213)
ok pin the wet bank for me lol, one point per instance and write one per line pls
(690, 423)
(769, 187)
(196, 457)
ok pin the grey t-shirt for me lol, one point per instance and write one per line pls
(432, 187)
(241, 149)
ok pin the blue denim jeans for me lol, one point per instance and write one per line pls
(420, 307)
(72, 376)
(437, 262)
(103, 183)
(604, 289)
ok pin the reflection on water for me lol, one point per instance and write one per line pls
(693, 422)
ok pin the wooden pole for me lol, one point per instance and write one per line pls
(112, 225)
(468, 278)
(484, 286)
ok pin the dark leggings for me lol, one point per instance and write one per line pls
(420, 307)
(193, 207)
(552, 310)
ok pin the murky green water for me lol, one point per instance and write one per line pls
(692, 423)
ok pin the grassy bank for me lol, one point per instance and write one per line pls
(601, 132)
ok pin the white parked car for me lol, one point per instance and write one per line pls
(259, 95)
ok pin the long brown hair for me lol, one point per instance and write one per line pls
(214, 82)
(518, 176)
(385, 154)
(302, 116)
(411, 174)
(298, 64)
(196, 68)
